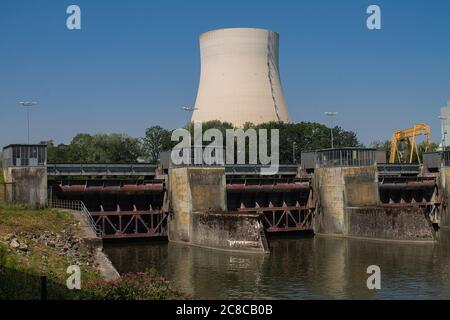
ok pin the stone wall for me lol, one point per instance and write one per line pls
(237, 232)
(408, 223)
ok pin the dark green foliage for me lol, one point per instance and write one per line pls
(120, 148)
(98, 148)
(17, 285)
(156, 140)
(296, 137)
(134, 286)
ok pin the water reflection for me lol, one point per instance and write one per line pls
(302, 268)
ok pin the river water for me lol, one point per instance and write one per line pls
(297, 268)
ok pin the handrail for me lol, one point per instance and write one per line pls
(109, 169)
(79, 206)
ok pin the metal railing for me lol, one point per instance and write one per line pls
(395, 169)
(346, 157)
(255, 169)
(137, 169)
(79, 206)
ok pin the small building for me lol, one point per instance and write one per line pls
(25, 173)
(24, 155)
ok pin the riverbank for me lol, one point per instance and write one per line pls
(44, 242)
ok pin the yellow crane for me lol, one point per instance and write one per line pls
(409, 136)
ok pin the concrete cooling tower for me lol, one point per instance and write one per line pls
(240, 80)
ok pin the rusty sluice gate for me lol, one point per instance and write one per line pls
(285, 204)
(407, 190)
(408, 186)
(122, 208)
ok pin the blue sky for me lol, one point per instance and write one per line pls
(136, 63)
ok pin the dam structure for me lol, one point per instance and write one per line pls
(333, 192)
(340, 192)
(240, 78)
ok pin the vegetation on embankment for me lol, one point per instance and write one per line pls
(45, 242)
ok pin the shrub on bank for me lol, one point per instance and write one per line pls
(134, 286)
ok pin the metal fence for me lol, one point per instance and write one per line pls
(348, 157)
(79, 206)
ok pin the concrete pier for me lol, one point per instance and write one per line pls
(339, 188)
(350, 207)
(444, 181)
(200, 217)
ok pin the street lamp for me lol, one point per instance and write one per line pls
(443, 131)
(331, 114)
(28, 104)
(293, 152)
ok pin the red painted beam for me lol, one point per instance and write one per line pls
(126, 213)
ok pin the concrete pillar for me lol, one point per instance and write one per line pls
(194, 190)
(27, 185)
(340, 188)
(199, 214)
(445, 187)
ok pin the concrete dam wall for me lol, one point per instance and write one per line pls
(200, 217)
(350, 206)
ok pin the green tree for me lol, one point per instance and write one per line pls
(98, 148)
(156, 140)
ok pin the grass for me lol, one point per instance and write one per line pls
(20, 271)
(41, 259)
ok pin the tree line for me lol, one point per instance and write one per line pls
(121, 148)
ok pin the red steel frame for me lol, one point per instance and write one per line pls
(153, 222)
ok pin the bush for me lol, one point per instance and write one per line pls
(134, 286)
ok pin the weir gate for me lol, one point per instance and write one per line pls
(133, 201)
(127, 201)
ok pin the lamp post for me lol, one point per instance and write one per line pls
(27, 105)
(331, 114)
(443, 131)
(293, 152)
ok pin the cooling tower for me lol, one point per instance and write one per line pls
(240, 80)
